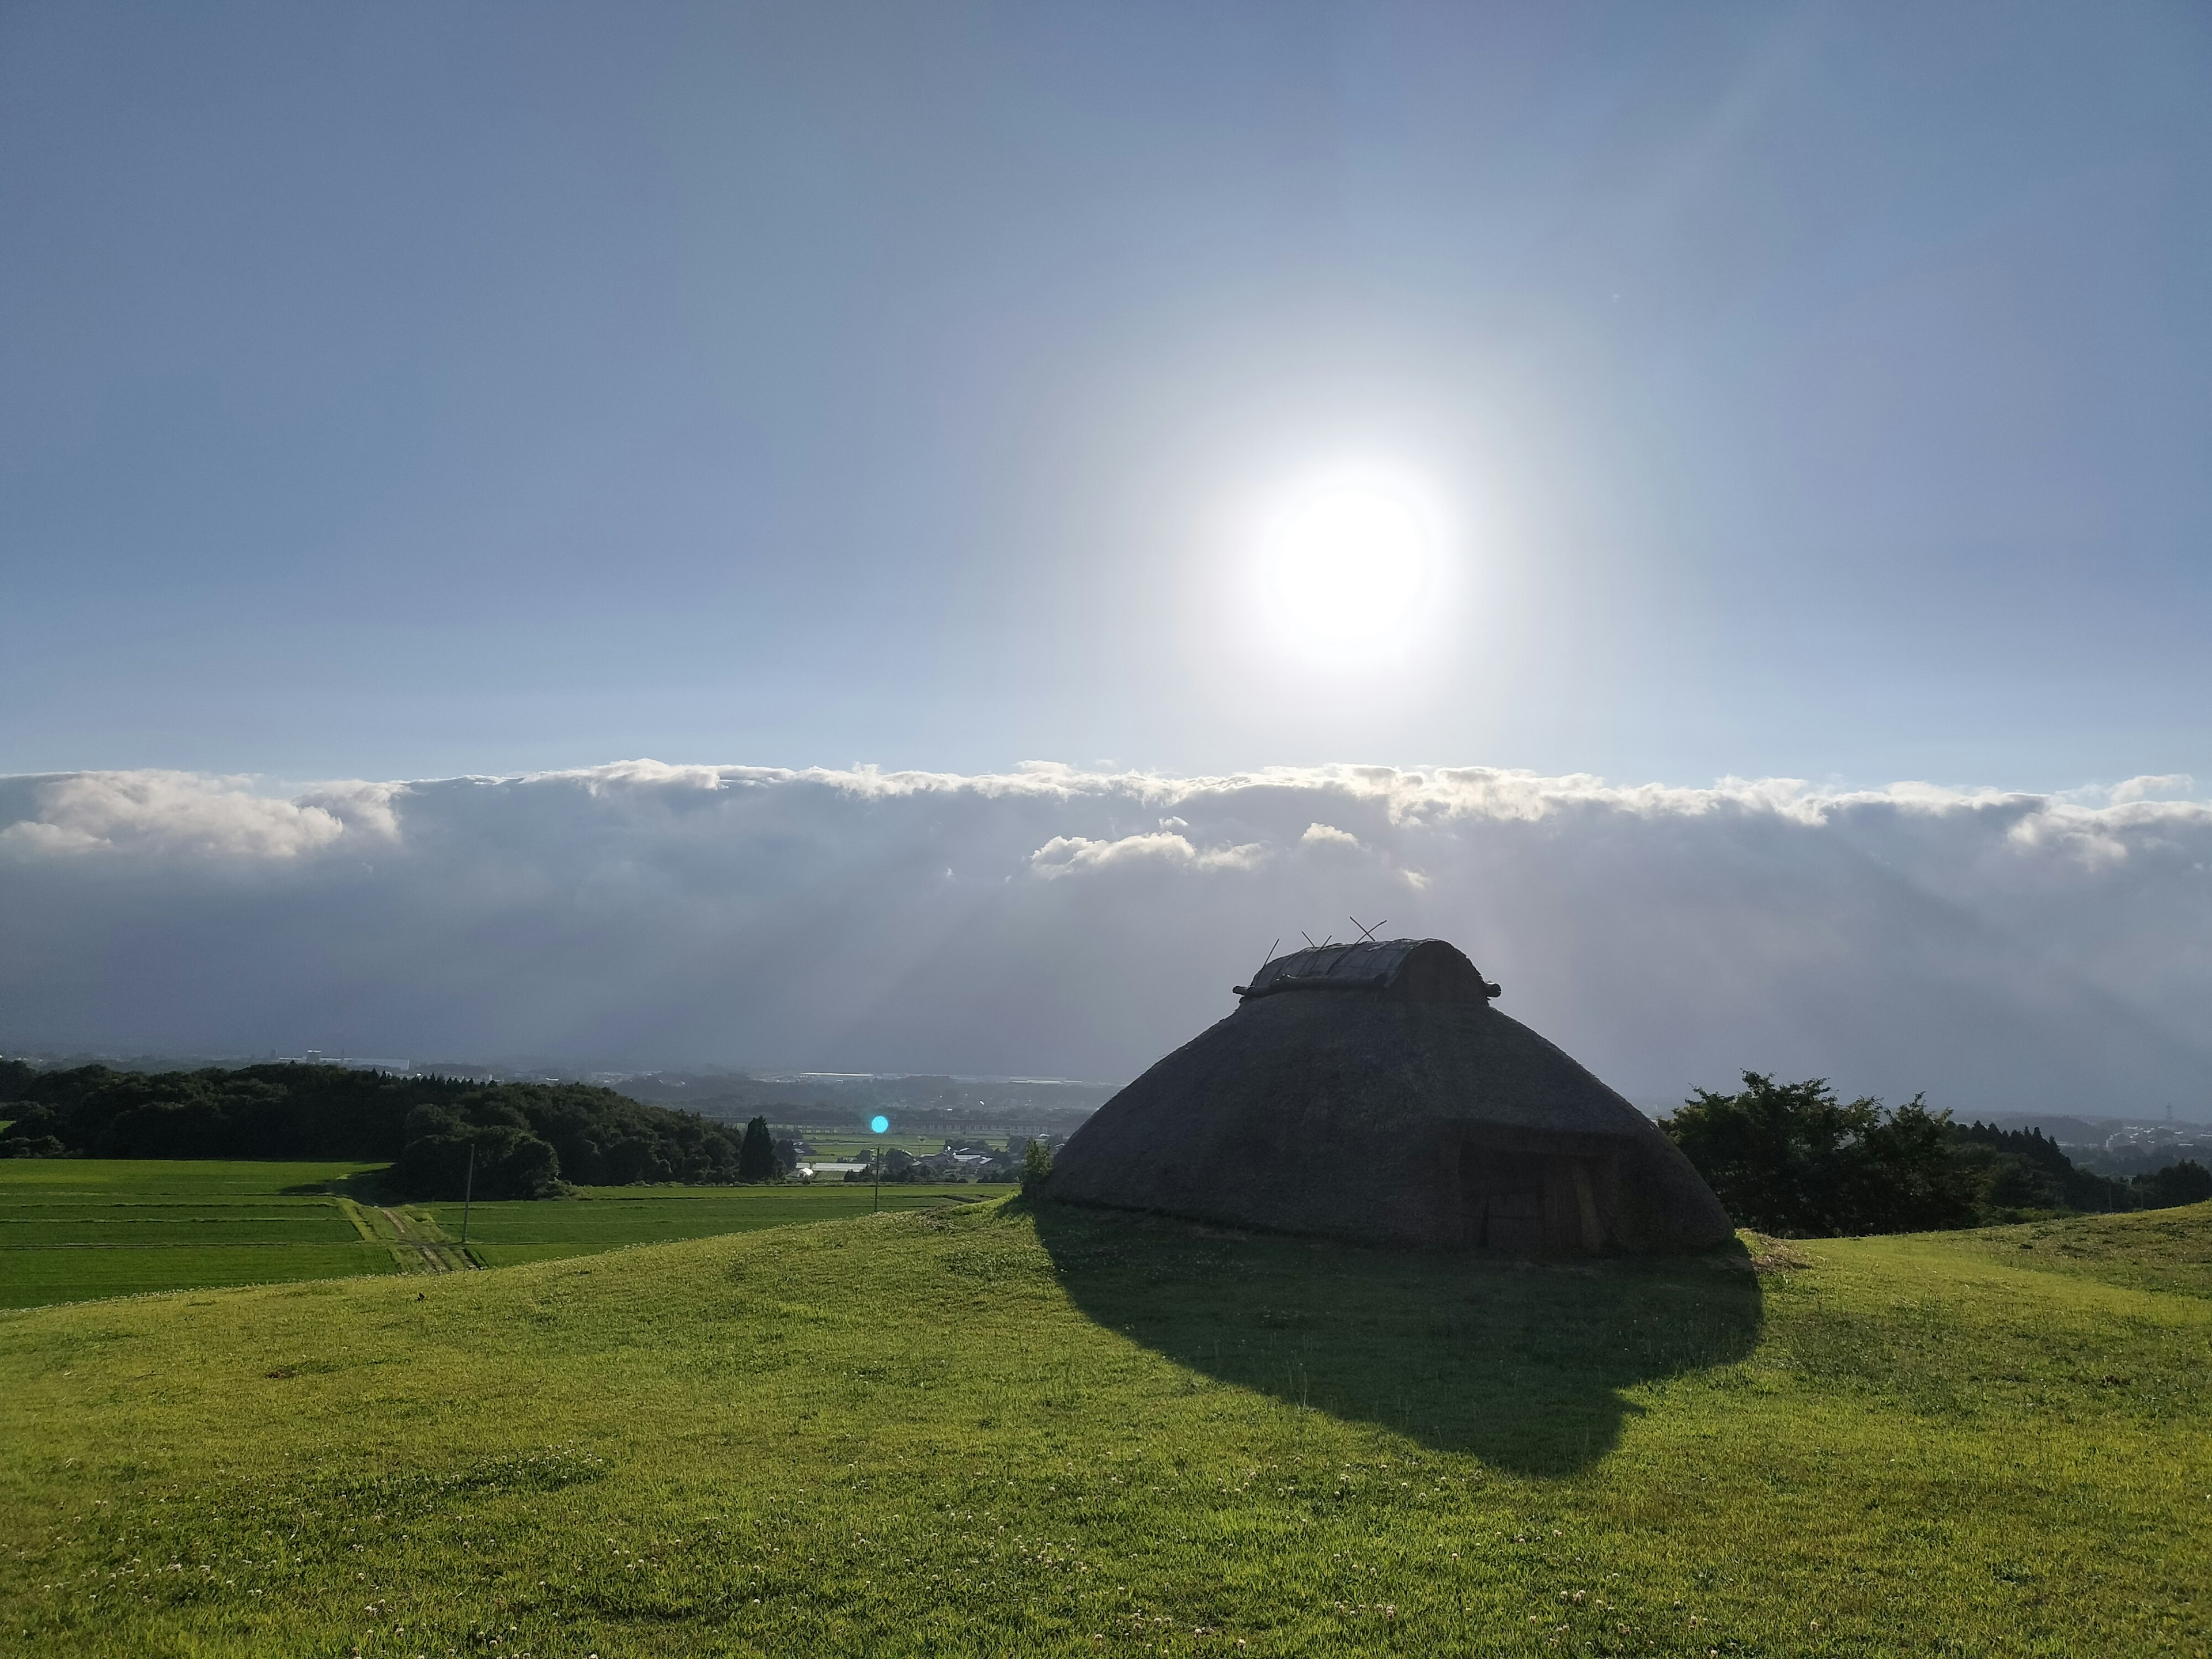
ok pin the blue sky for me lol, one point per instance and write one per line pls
(412, 389)
(1416, 462)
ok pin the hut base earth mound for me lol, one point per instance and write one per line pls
(1371, 1093)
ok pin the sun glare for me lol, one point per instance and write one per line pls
(1345, 566)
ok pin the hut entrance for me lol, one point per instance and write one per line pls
(1532, 1203)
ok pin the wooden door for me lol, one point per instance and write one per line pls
(1503, 1197)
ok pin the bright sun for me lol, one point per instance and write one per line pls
(1346, 564)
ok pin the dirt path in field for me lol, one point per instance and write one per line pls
(438, 1256)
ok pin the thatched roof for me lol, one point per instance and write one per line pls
(1428, 968)
(1398, 1108)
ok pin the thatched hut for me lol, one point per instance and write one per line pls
(1369, 1091)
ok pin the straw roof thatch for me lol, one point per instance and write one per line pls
(1370, 1092)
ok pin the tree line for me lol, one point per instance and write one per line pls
(526, 1139)
(1793, 1160)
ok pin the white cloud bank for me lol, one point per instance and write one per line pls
(183, 811)
(1997, 949)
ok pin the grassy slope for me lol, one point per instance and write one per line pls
(972, 1430)
(75, 1229)
(606, 1217)
(2169, 1250)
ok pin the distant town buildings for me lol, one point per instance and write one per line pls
(317, 1057)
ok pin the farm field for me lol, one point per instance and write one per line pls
(858, 1146)
(75, 1229)
(982, 1428)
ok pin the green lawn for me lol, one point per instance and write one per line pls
(971, 1429)
(2169, 1250)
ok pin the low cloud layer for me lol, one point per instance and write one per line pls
(1998, 950)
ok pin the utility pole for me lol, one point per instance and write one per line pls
(880, 1124)
(468, 1194)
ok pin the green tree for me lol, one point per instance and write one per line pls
(756, 1155)
(1790, 1159)
(509, 1163)
(2185, 1183)
(1036, 1165)
(288, 1111)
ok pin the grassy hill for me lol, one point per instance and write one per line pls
(980, 1431)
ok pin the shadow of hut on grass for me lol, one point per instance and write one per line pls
(1520, 1364)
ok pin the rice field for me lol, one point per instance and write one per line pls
(72, 1229)
(849, 1148)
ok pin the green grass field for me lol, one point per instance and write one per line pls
(607, 1217)
(973, 1430)
(75, 1229)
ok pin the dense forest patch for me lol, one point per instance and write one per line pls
(526, 1139)
(1793, 1160)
